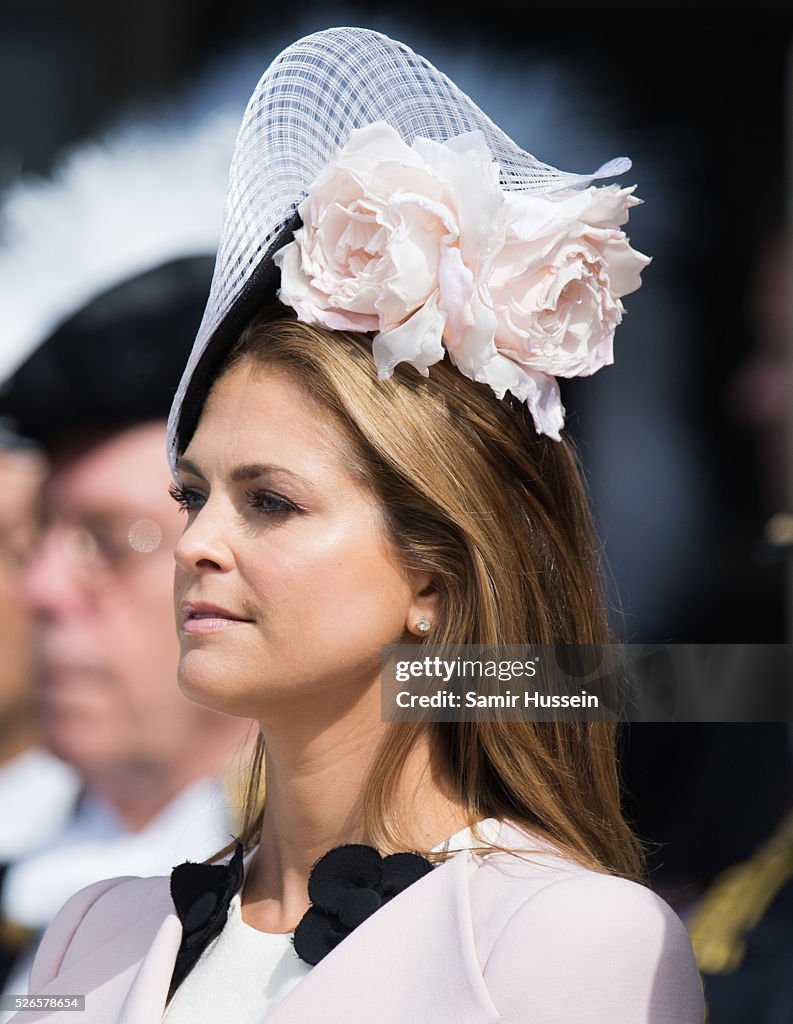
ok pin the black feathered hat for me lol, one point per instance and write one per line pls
(115, 362)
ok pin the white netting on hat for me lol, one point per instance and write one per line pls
(313, 95)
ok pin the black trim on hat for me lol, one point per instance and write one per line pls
(257, 292)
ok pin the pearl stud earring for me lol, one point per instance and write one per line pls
(423, 625)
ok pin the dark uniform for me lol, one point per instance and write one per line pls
(742, 933)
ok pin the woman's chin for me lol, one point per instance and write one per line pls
(205, 680)
(213, 682)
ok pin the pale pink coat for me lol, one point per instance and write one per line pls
(478, 940)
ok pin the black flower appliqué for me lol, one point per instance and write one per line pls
(347, 885)
(202, 895)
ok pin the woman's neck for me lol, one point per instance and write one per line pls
(314, 802)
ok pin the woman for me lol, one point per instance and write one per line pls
(339, 501)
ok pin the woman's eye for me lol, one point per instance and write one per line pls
(187, 499)
(266, 501)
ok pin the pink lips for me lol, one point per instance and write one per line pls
(200, 617)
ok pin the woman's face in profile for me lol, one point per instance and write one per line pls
(285, 587)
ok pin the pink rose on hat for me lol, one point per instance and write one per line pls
(422, 246)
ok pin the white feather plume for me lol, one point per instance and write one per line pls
(112, 208)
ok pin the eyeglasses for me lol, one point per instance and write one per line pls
(100, 547)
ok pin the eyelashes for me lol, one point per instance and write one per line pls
(183, 497)
(268, 502)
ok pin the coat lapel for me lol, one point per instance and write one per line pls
(149, 989)
(124, 975)
(414, 960)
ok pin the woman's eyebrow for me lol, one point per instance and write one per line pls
(253, 470)
(248, 471)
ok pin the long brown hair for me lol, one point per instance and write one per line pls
(498, 515)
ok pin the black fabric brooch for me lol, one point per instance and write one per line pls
(202, 895)
(346, 885)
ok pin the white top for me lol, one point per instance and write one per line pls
(97, 843)
(37, 796)
(244, 973)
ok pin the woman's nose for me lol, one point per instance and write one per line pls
(204, 545)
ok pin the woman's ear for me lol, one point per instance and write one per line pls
(425, 605)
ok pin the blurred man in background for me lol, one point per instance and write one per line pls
(742, 928)
(761, 396)
(36, 789)
(99, 584)
(105, 277)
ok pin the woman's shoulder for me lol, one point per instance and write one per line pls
(528, 876)
(95, 915)
(528, 871)
(139, 895)
(543, 920)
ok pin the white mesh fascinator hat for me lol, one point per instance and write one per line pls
(369, 193)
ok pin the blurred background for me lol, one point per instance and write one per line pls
(684, 439)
